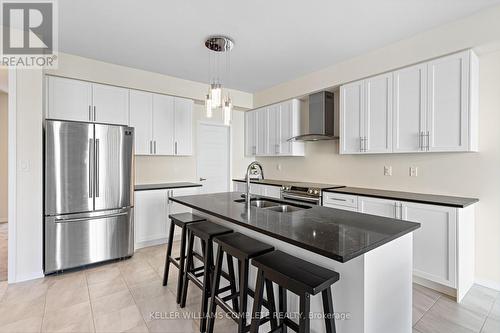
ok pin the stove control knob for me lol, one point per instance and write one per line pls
(310, 191)
(316, 192)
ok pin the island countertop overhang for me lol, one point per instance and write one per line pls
(337, 234)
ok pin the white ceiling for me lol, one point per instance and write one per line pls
(276, 40)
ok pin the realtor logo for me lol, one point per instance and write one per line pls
(29, 34)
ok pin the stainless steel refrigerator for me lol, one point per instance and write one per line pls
(88, 194)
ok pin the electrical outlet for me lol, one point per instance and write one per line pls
(388, 170)
(413, 171)
(278, 167)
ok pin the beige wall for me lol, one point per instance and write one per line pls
(3, 156)
(460, 174)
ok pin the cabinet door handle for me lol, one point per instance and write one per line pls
(95, 117)
(154, 145)
(360, 143)
(175, 147)
(277, 149)
(254, 150)
(428, 140)
(150, 146)
(90, 112)
(420, 144)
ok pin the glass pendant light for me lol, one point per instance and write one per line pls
(208, 106)
(216, 93)
(228, 108)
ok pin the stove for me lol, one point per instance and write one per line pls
(310, 193)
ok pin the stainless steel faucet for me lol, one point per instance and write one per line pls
(250, 167)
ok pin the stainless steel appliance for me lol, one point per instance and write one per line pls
(321, 118)
(308, 193)
(88, 194)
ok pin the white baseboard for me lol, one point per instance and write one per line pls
(488, 284)
(140, 245)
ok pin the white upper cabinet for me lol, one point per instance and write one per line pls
(262, 131)
(183, 124)
(268, 129)
(432, 106)
(163, 125)
(352, 100)
(378, 114)
(69, 99)
(273, 128)
(410, 109)
(289, 126)
(110, 104)
(141, 118)
(448, 86)
(250, 133)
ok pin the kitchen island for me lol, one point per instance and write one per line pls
(372, 254)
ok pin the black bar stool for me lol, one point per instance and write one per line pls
(181, 220)
(205, 231)
(242, 248)
(300, 277)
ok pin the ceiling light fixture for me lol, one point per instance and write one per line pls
(219, 47)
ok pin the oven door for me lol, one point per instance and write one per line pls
(300, 198)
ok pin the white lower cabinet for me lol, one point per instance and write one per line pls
(152, 208)
(379, 207)
(443, 246)
(435, 242)
(258, 189)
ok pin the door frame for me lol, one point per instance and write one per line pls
(12, 181)
(229, 147)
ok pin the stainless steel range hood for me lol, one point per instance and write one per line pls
(321, 123)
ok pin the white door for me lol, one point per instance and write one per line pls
(69, 99)
(447, 122)
(379, 207)
(434, 243)
(141, 118)
(410, 98)
(273, 141)
(213, 157)
(351, 117)
(183, 120)
(250, 133)
(262, 132)
(111, 104)
(150, 215)
(163, 125)
(378, 114)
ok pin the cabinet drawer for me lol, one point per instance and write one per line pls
(340, 199)
(329, 205)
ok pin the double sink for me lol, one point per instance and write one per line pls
(274, 205)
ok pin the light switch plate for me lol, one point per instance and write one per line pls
(413, 171)
(388, 170)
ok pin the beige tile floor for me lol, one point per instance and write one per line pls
(3, 251)
(122, 296)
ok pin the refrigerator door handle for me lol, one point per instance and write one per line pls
(81, 219)
(97, 168)
(91, 169)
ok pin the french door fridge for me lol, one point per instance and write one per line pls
(88, 194)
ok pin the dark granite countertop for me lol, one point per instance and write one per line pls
(441, 200)
(337, 234)
(164, 186)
